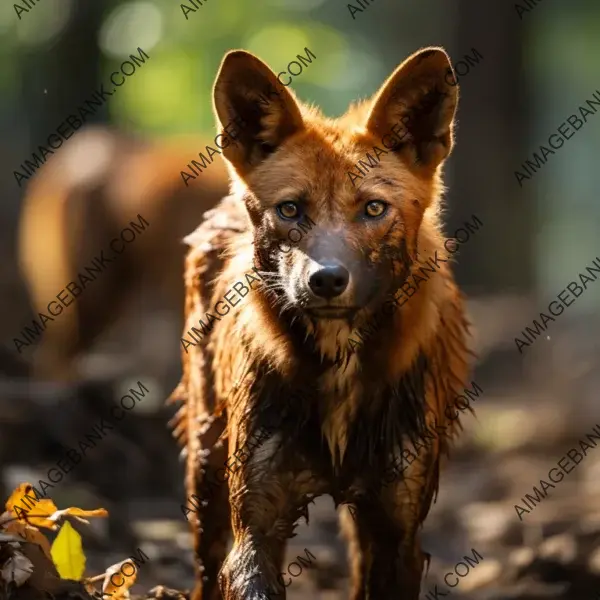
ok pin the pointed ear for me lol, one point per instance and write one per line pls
(417, 103)
(257, 112)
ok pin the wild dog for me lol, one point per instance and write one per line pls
(350, 422)
(80, 200)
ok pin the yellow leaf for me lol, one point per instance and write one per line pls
(27, 500)
(67, 553)
(117, 582)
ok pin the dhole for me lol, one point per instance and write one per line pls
(81, 199)
(351, 421)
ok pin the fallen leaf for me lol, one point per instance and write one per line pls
(80, 512)
(10, 538)
(25, 501)
(29, 534)
(72, 511)
(115, 574)
(17, 569)
(67, 553)
(45, 577)
(89, 587)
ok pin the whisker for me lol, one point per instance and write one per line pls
(272, 276)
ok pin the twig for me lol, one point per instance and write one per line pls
(25, 518)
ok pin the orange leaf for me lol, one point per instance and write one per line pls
(27, 504)
(116, 582)
(26, 500)
(29, 534)
(80, 512)
(51, 521)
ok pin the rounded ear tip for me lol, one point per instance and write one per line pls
(241, 62)
(433, 53)
(234, 55)
(430, 50)
(240, 56)
(235, 61)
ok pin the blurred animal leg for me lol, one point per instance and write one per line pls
(389, 564)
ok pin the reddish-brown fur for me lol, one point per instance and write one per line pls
(79, 202)
(337, 434)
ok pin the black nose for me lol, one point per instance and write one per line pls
(329, 282)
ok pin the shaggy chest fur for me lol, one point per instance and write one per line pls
(336, 419)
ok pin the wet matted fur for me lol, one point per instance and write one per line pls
(349, 422)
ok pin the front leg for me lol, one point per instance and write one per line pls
(267, 495)
(381, 525)
(388, 559)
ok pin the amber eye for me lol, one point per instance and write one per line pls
(375, 208)
(288, 210)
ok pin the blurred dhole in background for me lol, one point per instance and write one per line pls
(525, 69)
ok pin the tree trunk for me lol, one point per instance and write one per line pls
(490, 146)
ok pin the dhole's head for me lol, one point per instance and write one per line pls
(290, 163)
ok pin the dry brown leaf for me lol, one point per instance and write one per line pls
(17, 569)
(45, 577)
(11, 539)
(26, 510)
(29, 534)
(117, 576)
(89, 587)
